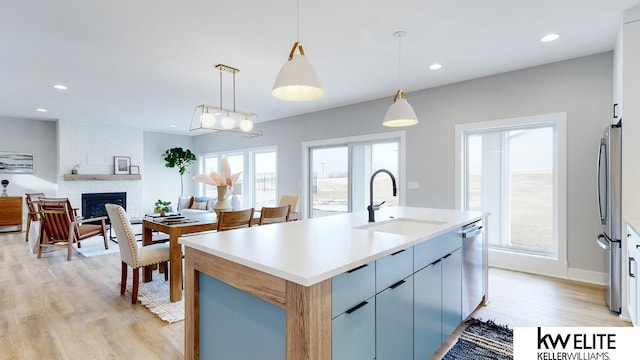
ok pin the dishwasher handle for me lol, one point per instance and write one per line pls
(471, 231)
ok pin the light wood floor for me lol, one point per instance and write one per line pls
(517, 299)
(55, 309)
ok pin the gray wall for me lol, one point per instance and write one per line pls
(161, 182)
(580, 87)
(37, 137)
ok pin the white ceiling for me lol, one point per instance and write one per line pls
(148, 63)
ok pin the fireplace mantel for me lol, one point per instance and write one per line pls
(72, 177)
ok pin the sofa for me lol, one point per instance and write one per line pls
(195, 205)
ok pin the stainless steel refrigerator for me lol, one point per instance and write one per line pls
(609, 185)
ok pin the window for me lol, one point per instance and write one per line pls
(338, 172)
(265, 179)
(257, 185)
(512, 169)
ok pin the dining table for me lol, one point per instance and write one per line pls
(175, 226)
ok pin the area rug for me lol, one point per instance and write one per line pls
(155, 296)
(94, 246)
(483, 340)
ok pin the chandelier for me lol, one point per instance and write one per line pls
(210, 119)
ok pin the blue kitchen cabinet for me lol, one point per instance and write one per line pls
(352, 287)
(394, 321)
(428, 310)
(353, 309)
(451, 292)
(393, 268)
(354, 332)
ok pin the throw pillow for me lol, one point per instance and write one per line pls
(199, 203)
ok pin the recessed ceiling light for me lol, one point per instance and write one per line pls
(172, 126)
(435, 66)
(549, 37)
(41, 110)
(60, 87)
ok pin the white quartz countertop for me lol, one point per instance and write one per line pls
(309, 251)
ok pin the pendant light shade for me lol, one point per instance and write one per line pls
(400, 113)
(297, 79)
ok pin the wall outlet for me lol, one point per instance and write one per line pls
(413, 185)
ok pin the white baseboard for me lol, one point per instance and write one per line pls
(586, 276)
(528, 263)
(543, 266)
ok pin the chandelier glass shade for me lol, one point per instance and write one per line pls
(211, 119)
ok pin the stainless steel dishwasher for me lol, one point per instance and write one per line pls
(473, 281)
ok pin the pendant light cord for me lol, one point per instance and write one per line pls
(297, 21)
(400, 60)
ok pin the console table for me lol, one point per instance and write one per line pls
(11, 212)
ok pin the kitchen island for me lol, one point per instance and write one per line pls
(289, 290)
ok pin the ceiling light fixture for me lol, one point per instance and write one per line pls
(219, 120)
(400, 113)
(41, 110)
(435, 66)
(60, 87)
(549, 37)
(297, 79)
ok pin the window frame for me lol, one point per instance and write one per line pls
(552, 266)
(305, 200)
(248, 183)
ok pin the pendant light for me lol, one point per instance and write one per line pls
(219, 120)
(400, 113)
(297, 80)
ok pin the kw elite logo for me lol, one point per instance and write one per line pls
(576, 343)
(575, 346)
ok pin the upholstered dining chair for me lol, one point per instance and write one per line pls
(272, 215)
(32, 206)
(229, 220)
(61, 225)
(290, 199)
(131, 254)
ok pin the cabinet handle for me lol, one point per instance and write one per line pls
(358, 268)
(630, 273)
(397, 284)
(435, 262)
(397, 252)
(353, 309)
(446, 256)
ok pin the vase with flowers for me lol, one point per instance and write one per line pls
(224, 181)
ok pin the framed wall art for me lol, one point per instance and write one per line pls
(134, 170)
(121, 165)
(16, 162)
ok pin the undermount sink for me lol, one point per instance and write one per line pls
(402, 226)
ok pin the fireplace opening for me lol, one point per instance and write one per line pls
(93, 203)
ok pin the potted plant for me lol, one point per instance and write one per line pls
(162, 207)
(180, 158)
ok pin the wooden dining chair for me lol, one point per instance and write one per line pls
(229, 220)
(61, 225)
(131, 254)
(272, 215)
